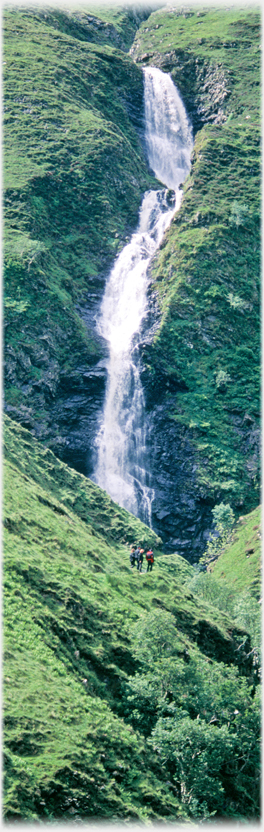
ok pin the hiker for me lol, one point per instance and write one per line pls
(137, 553)
(150, 560)
(140, 559)
(132, 556)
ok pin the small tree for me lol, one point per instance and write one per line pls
(154, 635)
(222, 379)
(239, 213)
(224, 519)
(223, 516)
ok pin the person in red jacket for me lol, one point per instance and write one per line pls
(150, 560)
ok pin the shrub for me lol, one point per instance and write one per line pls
(224, 519)
(239, 213)
(222, 379)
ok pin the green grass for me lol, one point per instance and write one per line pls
(71, 608)
(239, 564)
(207, 272)
(74, 174)
(87, 702)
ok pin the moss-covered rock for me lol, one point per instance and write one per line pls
(74, 175)
(204, 359)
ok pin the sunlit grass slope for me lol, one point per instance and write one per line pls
(240, 563)
(74, 174)
(237, 567)
(207, 273)
(74, 745)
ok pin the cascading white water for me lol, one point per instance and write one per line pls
(168, 130)
(122, 459)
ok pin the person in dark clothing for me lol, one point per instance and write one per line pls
(150, 560)
(140, 559)
(137, 553)
(132, 557)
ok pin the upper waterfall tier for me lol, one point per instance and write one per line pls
(168, 131)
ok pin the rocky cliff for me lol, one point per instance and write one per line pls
(75, 172)
(201, 366)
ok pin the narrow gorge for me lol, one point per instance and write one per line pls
(78, 163)
(131, 326)
(124, 466)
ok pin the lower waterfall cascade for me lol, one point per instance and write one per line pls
(123, 463)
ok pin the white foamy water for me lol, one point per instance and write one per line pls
(122, 458)
(168, 133)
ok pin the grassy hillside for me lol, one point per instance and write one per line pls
(74, 175)
(99, 661)
(128, 696)
(240, 563)
(205, 357)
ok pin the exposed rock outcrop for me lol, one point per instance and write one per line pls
(79, 213)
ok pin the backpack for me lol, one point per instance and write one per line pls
(150, 557)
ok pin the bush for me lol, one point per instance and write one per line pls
(222, 379)
(223, 515)
(239, 213)
(224, 519)
(154, 636)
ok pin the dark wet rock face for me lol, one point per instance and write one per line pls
(179, 515)
(61, 408)
(79, 401)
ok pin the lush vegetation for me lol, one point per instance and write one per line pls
(127, 695)
(207, 272)
(130, 696)
(74, 175)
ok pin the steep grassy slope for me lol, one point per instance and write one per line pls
(232, 580)
(128, 696)
(78, 721)
(74, 174)
(240, 563)
(205, 357)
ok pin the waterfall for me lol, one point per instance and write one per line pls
(122, 467)
(168, 132)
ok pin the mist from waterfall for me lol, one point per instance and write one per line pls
(122, 467)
